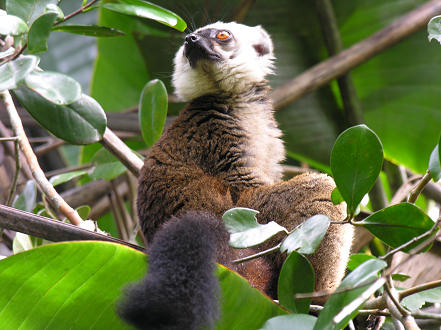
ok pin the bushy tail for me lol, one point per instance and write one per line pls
(180, 290)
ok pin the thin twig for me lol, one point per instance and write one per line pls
(17, 171)
(394, 297)
(76, 12)
(413, 196)
(257, 255)
(42, 183)
(419, 288)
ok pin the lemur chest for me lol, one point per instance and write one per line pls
(263, 149)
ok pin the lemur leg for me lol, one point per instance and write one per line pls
(290, 203)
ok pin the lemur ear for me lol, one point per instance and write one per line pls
(264, 44)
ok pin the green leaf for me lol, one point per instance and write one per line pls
(65, 177)
(307, 236)
(89, 30)
(39, 32)
(82, 122)
(357, 259)
(356, 161)
(147, 10)
(244, 230)
(336, 197)
(27, 200)
(291, 283)
(153, 110)
(13, 72)
(28, 10)
(398, 224)
(434, 28)
(400, 277)
(360, 278)
(417, 300)
(434, 165)
(54, 87)
(78, 283)
(290, 322)
(12, 25)
(107, 166)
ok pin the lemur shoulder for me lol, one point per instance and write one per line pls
(223, 150)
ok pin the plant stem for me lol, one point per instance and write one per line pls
(17, 171)
(257, 255)
(42, 183)
(413, 196)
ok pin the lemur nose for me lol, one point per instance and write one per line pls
(191, 38)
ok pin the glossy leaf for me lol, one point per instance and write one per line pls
(434, 164)
(153, 110)
(89, 30)
(147, 10)
(13, 72)
(417, 300)
(39, 32)
(12, 25)
(307, 236)
(244, 230)
(81, 122)
(54, 87)
(356, 160)
(434, 28)
(107, 166)
(398, 224)
(357, 259)
(65, 177)
(28, 10)
(71, 283)
(27, 200)
(290, 322)
(364, 274)
(296, 276)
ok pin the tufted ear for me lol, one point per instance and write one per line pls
(263, 45)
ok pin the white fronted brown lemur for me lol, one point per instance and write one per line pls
(223, 150)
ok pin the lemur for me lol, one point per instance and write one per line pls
(223, 150)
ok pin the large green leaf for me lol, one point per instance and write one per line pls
(363, 274)
(307, 236)
(356, 160)
(77, 284)
(398, 224)
(153, 110)
(28, 10)
(149, 10)
(244, 230)
(89, 30)
(107, 166)
(54, 87)
(296, 276)
(12, 25)
(39, 31)
(81, 122)
(13, 72)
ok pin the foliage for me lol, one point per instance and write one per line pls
(397, 112)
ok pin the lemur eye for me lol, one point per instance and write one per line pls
(223, 35)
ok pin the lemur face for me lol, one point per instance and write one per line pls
(222, 57)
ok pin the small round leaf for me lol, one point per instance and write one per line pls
(434, 28)
(13, 72)
(12, 25)
(153, 110)
(39, 32)
(291, 282)
(356, 160)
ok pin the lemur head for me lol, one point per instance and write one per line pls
(222, 58)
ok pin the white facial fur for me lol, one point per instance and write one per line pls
(240, 64)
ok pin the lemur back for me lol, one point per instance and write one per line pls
(224, 150)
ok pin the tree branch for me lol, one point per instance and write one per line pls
(50, 229)
(337, 65)
(42, 182)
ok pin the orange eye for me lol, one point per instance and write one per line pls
(223, 35)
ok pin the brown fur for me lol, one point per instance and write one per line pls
(208, 160)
